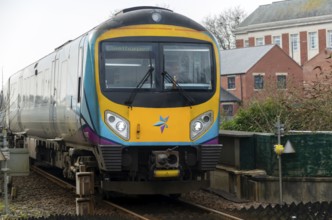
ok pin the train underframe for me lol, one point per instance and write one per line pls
(134, 169)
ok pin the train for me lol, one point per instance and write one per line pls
(135, 100)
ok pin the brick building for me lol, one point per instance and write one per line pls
(302, 28)
(318, 69)
(255, 71)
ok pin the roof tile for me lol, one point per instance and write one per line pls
(288, 10)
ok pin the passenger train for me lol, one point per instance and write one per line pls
(135, 100)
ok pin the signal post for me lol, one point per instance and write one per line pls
(279, 149)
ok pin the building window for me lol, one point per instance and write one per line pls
(313, 40)
(228, 110)
(281, 81)
(246, 43)
(329, 39)
(231, 82)
(294, 42)
(259, 41)
(277, 40)
(258, 81)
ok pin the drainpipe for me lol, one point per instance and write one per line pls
(241, 87)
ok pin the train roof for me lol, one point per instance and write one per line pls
(149, 15)
(144, 15)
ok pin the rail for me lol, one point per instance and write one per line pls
(53, 178)
(71, 187)
(228, 216)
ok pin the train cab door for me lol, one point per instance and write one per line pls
(53, 96)
(20, 102)
(80, 76)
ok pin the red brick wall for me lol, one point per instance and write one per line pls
(244, 89)
(322, 39)
(251, 41)
(268, 39)
(237, 91)
(285, 43)
(239, 43)
(304, 46)
(270, 67)
(313, 74)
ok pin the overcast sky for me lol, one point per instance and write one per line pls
(31, 29)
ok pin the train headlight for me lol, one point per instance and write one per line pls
(156, 17)
(117, 124)
(201, 124)
(121, 126)
(198, 126)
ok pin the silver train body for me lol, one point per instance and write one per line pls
(44, 97)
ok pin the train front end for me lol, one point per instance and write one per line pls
(152, 104)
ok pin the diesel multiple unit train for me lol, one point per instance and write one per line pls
(135, 100)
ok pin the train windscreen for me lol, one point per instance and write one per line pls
(129, 65)
(126, 64)
(189, 66)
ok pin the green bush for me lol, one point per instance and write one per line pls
(259, 116)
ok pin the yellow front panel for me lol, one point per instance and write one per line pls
(159, 125)
(143, 121)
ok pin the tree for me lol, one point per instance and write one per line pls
(222, 26)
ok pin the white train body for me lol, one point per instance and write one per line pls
(49, 91)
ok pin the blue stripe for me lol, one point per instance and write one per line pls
(90, 108)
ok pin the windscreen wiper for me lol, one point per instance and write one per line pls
(179, 88)
(133, 94)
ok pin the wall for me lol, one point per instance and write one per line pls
(251, 171)
(275, 61)
(295, 189)
(237, 90)
(238, 149)
(313, 157)
(300, 56)
(319, 64)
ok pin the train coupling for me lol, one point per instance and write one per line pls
(166, 164)
(166, 159)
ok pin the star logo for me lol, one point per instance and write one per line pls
(162, 123)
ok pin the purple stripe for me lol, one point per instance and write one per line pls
(95, 139)
(213, 141)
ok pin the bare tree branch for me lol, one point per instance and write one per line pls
(222, 26)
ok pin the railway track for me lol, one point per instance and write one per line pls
(134, 214)
(149, 207)
(163, 207)
(223, 214)
(159, 208)
(54, 179)
(69, 186)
